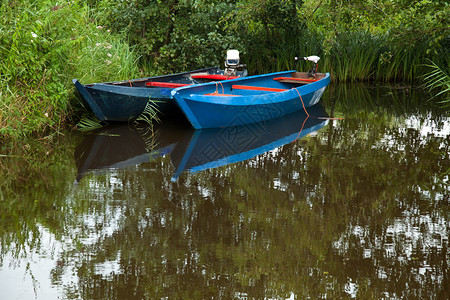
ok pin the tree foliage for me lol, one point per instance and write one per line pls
(271, 33)
(405, 20)
(172, 35)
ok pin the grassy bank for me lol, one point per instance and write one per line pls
(42, 47)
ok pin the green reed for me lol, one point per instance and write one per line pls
(88, 123)
(349, 57)
(150, 114)
(438, 79)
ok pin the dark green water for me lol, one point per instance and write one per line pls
(291, 209)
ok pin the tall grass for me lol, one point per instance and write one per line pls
(352, 56)
(103, 57)
(401, 64)
(362, 56)
(42, 47)
(349, 57)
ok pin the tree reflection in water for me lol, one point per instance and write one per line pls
(359, 209)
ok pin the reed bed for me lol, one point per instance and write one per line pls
(351, 57)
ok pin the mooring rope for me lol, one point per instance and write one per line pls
(217, 88)
(301, 129)
(308, 115)
(304, 108)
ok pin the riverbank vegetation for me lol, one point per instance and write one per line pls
(43, 45)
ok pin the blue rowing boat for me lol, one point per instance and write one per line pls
(250, 99)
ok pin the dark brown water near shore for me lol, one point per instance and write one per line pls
(290, 209)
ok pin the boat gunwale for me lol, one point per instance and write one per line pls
(143, 79)
(251, 99)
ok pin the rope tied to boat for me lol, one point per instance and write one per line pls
(308, 115)
(217, 88)
(304, 108)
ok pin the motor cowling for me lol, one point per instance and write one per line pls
(232, 63)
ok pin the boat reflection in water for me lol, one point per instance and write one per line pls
(120, 146)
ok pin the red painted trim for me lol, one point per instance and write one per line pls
(216, 94)
(165, 84)
(296, 79)
(256, 88)
(213, 77)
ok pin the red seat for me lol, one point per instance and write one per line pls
(165, 84)
(217, 94)
(213, 76)
(293, 79)
(256, 88)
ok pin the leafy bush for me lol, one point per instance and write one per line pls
(172, 35)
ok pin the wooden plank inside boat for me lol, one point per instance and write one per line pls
(300, 78)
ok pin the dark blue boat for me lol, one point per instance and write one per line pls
(124, 101)
(249, 99)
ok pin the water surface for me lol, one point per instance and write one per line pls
(288, 209)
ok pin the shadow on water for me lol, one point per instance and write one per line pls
(357, 209)
(121, 146)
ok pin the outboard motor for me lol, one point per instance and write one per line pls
(314, 59)
(232, 63)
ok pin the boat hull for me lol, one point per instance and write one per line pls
(124, 101)
(121, 104)
(223, 105)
